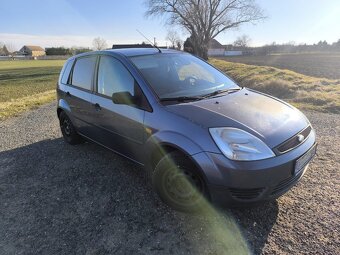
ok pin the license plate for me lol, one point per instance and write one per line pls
(304, 160)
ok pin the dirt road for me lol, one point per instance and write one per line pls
(59, 199)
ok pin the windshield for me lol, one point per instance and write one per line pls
(181, 75)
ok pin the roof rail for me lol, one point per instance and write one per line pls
(129, 46)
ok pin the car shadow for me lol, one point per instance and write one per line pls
(57, 198)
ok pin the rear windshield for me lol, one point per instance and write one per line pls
(177, 75)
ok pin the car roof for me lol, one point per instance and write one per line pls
(130, 52)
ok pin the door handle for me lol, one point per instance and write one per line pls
(68, 94)
(97, 107)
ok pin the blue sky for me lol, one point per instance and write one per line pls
(76, 23)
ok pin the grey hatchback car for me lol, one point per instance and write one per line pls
(198, 134)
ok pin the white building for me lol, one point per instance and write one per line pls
(217, 49)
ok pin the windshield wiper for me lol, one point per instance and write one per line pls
(181, 99)
(195, 98)
(220, 91)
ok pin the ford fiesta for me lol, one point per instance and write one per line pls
(198, 134)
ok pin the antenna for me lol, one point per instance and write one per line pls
(153, 44)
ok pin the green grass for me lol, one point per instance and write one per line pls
(305, 92)
(322, 65)
(20, 64)
(13, 107)
(27, 84)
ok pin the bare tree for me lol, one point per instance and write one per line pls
(337, 44)
(3, 49)
(205, 19)
(172, 37)
(10, 49)
(179, 44)
(99, 43)
(242, 41)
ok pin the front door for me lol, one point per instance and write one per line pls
(120, 127)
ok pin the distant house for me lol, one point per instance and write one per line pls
(233, 53)
(217, 49)
(33, 51)
(231, 50)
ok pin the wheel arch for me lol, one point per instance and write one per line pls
(158, 147)
(63, 106)
(166, 148)
(59, 110)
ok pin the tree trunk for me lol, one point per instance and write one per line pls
(202, 51)
(200, 47)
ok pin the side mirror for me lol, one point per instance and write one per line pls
(124, 97)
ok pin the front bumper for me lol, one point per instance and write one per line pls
(246, 182)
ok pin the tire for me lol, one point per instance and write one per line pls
(179, 184)
(67, 129)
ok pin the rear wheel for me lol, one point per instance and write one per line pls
(178, 183)
(67, 129)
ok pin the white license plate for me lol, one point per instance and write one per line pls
(303, 160)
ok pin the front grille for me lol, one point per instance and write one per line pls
(293, 142)
(246, 194)
(285, 184)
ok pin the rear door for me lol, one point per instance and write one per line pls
(79, 93)
(120, 127)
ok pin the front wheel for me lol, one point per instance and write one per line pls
(67, 129)
(179, 184)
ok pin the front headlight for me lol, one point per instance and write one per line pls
(237, 144)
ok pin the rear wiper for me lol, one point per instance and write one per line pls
(221, 91)
(181, 99)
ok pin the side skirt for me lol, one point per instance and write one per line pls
(116, 152)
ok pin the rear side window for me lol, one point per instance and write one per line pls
(83, 72)
(114, 77)
(66, 73)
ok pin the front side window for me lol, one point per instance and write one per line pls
(181, 75)
(114, 77)
(83, 72)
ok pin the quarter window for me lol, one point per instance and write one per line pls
(114, 77)
(83, 72)
(66, 73)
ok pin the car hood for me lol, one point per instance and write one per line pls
(268, 118)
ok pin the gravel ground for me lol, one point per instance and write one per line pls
(62, 199)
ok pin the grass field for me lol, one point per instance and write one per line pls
(313, 64)
(305, 92)
(27, 84)
(30, 83)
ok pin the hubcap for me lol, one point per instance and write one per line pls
(183, 186)
(67, 127)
